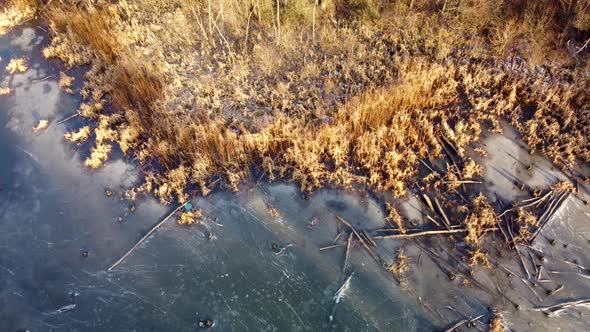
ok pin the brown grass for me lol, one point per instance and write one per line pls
(17, 65)
(4, 91)
(41, 125)
(15, 12)
(351, 93)
(188, 218)
(65, 82)
(401, 267)
(78, 136)
(497, 323)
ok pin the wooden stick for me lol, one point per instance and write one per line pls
(69, 118)
(535, 201)
(442, 213)
(583, 46)
(428, 202)
(368, 239)
(373, 255)
(523, 281)
(460, 323)
(425, 233)
(331, 247)
(556, 308)
(546, 217)
(462, 182)
(337, 238)
(433, 221)
(347, 253)
(430, 168)
(42, 79)
(502, 230)
(351, 228)
(522, 261)
(145, 237)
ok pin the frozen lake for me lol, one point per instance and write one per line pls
(254, 264)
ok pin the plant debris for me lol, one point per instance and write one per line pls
(17, 65)
(41, 125)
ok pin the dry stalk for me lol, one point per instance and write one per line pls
(155, 228)
(419, 234)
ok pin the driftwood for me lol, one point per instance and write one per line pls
(155, 228)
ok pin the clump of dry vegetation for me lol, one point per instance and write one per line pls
(401, 267)
(395, 218)
(4, 91)
(342, 92)
(498, 323)
(41, 125)
(78, 136)
(17, 65)
(481, 217)
(15, 12)
(65, 82)
(190, 217)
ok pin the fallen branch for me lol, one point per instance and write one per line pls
(351, 228)
(462, 182)
(418, 234)
(546, 217)
(69, 118)
(442, 213)
(534, 201)
(428, 202)
(331, 247)
(583, 46)
(373, 255)
(557, 308)
(42, 79)
(337, 238)
(349, 244)
(155, 228)
(460, 323)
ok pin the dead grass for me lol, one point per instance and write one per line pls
(78, 136)
(188, 218)
(41, 125)
(16, 12)
(4, 91)
(498, 323)
(17, 65)
(401, 267)
(351, 93)
(65, 82)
